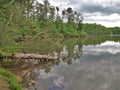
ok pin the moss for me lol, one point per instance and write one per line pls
(13, 85)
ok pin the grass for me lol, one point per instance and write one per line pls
(13, 84)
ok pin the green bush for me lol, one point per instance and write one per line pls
(8, 50)
(12, 78)
(83, 34)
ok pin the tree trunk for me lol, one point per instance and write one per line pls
(33, 56)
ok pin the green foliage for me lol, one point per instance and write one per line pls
(115, 30)
(95, 29)
(83, 34)
(12, 79)
(8, 50)
(69, 29)
(19, 19)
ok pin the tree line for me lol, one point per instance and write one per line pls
(30, 17)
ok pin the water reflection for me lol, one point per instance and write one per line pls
(64, 52)
(69, 56)
(94, 67)
(77, 52)
(108, 46)
(84, 64)
(44, 81)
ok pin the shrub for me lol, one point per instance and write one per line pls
(13, 85)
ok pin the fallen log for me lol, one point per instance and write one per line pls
(33, 56)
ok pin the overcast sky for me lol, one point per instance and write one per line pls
(105, 12)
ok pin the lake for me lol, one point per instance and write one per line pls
(88, 64)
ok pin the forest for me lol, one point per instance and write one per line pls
(29, 18)
(21, 19)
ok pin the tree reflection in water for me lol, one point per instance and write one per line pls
(44, 76)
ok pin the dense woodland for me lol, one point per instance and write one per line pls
(95, 29)
(31, 18)
(21, 19)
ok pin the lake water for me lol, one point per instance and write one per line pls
(90, 64)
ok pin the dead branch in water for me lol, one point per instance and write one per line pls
(33, 56)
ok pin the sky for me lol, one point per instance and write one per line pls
(104, 12)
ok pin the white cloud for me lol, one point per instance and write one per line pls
(108, 46)
(107, 3)
(99, 16)
(105, 12)
(105, 20)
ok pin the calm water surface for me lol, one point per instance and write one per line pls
(88, 67)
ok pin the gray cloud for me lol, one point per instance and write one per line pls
(90, 9)
(93, 8)
(105, 20)
(73, 2)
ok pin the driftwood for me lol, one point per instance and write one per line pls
(33, 56)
